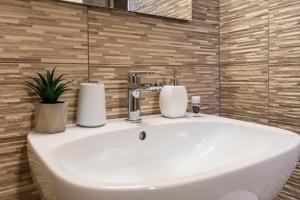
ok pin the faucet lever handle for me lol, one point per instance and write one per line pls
(134, 76)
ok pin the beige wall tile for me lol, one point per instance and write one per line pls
(284, 31)
(153, 41)
(43, 31)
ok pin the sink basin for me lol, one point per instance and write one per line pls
(191, 158)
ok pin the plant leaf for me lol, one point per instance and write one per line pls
(48, 87)
(35, 88)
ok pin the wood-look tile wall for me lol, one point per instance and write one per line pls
(96, 45)
(142, 43)
(260, 66)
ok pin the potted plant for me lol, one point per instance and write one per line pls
(50, 113)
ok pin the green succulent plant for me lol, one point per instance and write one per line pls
(48, 87)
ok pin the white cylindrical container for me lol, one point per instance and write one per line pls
(173, 101)
(91, 106)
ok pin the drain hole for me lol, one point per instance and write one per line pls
(142, 135)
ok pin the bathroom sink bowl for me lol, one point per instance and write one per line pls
(192, 158)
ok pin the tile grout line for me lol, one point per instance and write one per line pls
(219, 59)
(88, 41)
(117, 64)
(268, 76)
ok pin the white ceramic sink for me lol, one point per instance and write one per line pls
(203, 158)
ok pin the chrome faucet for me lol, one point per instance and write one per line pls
(135, 87)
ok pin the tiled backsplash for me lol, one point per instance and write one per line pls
(96, 45)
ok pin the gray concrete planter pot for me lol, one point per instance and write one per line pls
(51, 118)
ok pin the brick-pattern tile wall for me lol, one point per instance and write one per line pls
(96, 45)
(260, 66)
